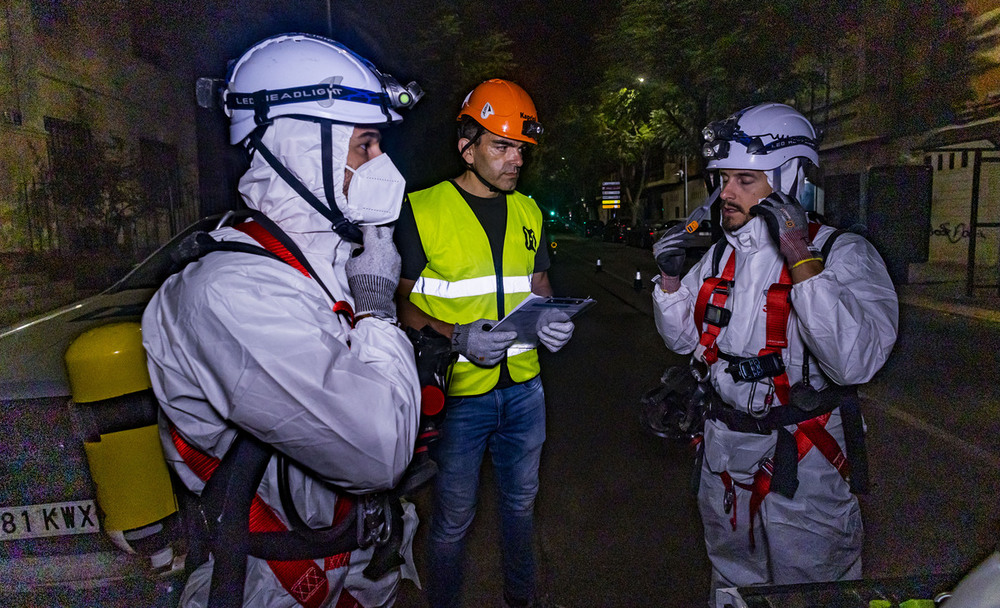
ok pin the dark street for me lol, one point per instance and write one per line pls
(617, 525)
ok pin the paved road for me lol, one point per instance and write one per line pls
(616, 523)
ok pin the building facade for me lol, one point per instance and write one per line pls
(97, 127)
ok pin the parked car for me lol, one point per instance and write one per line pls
(593, 228)
(642, 235)
(557, 224)
(56, 544)
(615, 230)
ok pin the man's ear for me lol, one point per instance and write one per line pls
(465, 150)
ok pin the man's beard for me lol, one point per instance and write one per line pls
(735, 222)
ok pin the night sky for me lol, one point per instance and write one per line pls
(552, 38)
(552, 48)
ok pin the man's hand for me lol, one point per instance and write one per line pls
(554, 329)
(373, 273)
(478, 344)
(671, 249)
(788, 227)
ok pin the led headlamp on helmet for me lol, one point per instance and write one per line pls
(304, 75)
(770, 137)
(315, 79)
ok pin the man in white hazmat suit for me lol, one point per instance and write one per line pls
(254, 346)
(783, 428)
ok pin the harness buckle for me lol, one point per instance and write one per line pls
(767, 465)
(723, 287)
(374, 520)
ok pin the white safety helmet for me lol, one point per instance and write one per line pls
(302, 79)
(770, 137)
(302, 75)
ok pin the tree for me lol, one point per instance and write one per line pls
(630, 129)
(901, 66)
(707, 59)
(448, 62)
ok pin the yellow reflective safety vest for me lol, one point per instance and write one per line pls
(459, 283)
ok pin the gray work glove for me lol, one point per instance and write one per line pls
(554, 329)
(478, 344)
(788, 226)
(373, 273)
(670, 250)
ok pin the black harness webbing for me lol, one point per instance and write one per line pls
(225, 502)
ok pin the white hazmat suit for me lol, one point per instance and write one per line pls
(242, 341)
(847, 319)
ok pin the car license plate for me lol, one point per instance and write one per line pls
(49, 519)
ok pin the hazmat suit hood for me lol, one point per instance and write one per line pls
(751, 236)
(297, 145)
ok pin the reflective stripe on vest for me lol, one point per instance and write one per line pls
(459, 283)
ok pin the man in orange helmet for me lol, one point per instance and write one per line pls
(472, 251)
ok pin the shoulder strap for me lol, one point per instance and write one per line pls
(199, 244)
(720, 248)
(714, 290)
(276, 242)
(828, 245)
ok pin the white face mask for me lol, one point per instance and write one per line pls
(375, 193)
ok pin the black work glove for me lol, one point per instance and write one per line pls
(671, 250)
(788, 226)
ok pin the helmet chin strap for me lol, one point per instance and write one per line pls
(346, 229)
(789, 171)
(482, 179)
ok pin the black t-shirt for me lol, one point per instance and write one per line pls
(492, 215)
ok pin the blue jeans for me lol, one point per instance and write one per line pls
(511, 422)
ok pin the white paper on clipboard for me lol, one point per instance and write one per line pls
(524, 318)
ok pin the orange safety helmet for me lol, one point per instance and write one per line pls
(503, 108)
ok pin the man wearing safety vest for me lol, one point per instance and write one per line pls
(784, 318)
(472, 250)
(278, 349)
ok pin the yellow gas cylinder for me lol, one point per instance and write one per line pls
(115, 409)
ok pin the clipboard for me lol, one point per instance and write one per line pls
(524, 318)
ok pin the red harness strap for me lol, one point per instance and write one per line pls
(779, 308)
(269, 242)
(302, 579)
(813, 432)
(715, 289)
(810, 433)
